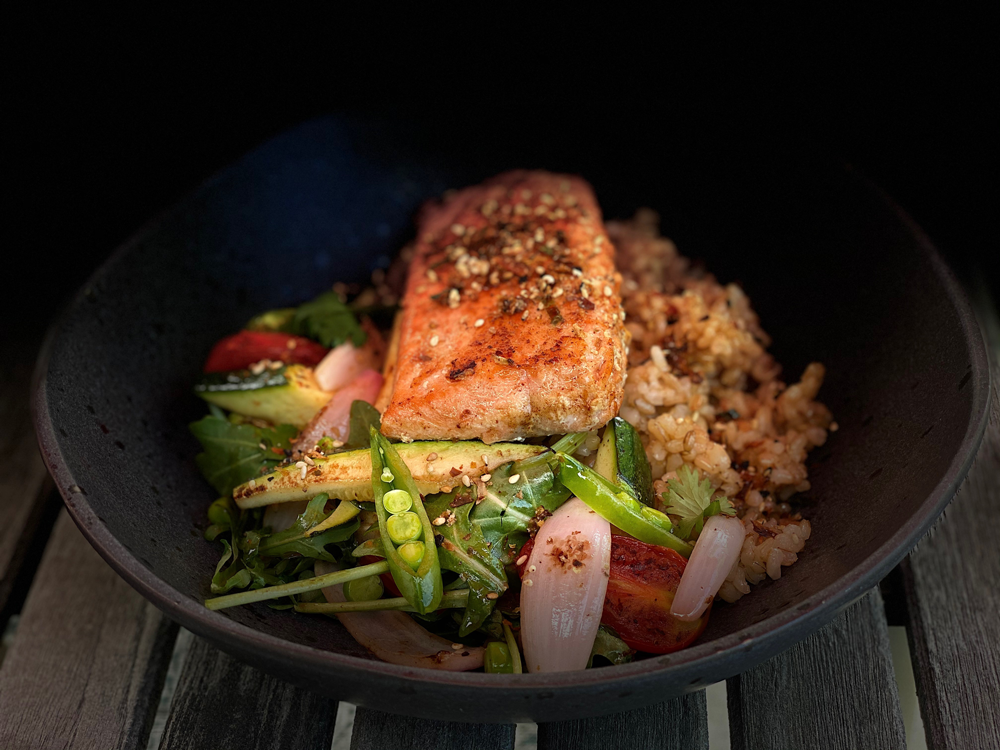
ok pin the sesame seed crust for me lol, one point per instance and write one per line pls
(516, 279)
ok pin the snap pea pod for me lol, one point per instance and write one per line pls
(412, 558)
(618, 507)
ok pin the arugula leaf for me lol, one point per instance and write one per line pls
(364, 416)
(609, 646)
(233, 452)
(690, 497)
(294, 540)
(327, 320)
(463, 549)
(503, 517)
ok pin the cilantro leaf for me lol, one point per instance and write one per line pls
(327, 320)
(233, 452)
(690, 497)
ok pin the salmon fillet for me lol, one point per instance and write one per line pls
(512, 321)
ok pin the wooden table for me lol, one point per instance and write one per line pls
(85, 666)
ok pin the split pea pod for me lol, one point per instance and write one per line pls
(406, 531)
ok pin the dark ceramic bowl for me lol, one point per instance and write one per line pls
(836, 272)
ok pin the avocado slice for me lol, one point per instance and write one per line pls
(285, 395)
(348, 476)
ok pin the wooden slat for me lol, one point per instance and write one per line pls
(222, 703)
(23, 478)
(374, 730)
(89, 657)
(679, 722)
(952, 580)
(834, 690)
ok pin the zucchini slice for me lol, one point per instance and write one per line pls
(348, 476)
(286, 395)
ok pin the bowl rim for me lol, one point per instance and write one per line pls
(705, 662)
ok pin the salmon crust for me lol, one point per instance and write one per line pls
(512, 321)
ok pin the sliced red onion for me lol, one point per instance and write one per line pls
(394, 637)
(562, 593)
(715, 553)
(334, 419)
(281, 516)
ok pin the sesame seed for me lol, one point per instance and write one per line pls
(527, 582)
(549, 279)
(522, 560)
(457, 646)
(458, 229)
(493, 595)
(432, 274)
(480, 323)
(439, 521)
(607, 291)
(547, 199)
(308, 460)
(539, 235)
(513, 478)
(453, 298)
(532, 568)
(557, 293)
(486, 477)
(466, 481)
(432, 457)
(525, 316)
(252, 483)
(338, 443)
(434, 340)
(578, 272)
(526, 195)
(539, 270)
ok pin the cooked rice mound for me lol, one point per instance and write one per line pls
(702, 390)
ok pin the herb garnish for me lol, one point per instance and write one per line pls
(690, 497)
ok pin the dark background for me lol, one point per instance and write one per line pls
(110, 119)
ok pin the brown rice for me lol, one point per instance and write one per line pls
(703, 391)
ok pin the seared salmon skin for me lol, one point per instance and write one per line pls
(512, 323)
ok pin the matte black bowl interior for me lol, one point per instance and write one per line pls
(836, 272)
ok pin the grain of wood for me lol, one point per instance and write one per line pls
(678, 722)
(836, 690)
(374, 730)
(222, 703)
(951, 582)
(88, 660)
(23, 477)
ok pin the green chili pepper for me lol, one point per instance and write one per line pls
(618, 507)
(414, 564)
(496, 658)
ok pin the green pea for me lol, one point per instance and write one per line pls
(404, 527)
(412, 553)
(365, 589)
(397, 501)
(387, 476)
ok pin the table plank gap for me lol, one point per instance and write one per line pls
(221, 702)
(837, 688)
(678, 722)
(374, 730)
(24, 480)
(951, 581)
(87, 664)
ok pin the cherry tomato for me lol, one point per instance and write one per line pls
(390, 585)
(241, 350)
(641, 588)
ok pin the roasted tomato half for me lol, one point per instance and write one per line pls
(241, 350)
(641, 589)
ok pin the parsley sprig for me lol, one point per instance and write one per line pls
(690, 497)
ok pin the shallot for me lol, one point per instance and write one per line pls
(716, 551)
(334, 419)
(562, 594)
(344, 363)
(396, 638)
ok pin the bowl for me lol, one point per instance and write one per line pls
(837, 273)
